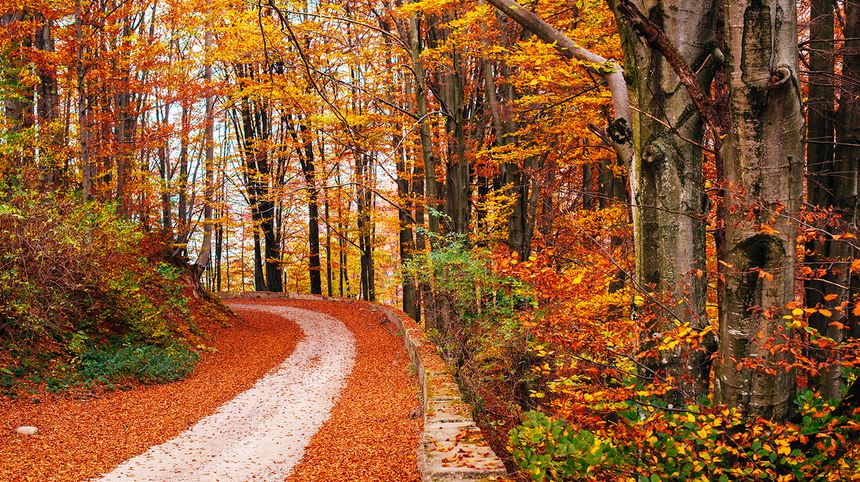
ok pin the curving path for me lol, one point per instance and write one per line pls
(262, 433)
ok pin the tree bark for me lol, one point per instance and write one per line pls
(328, 248)
(449, 90)
(47, 104)
(670, 205)
(763, 156)
(821, 178)
(83, 110)
(305, 151)
(209, 143)
(430, 190)
(846, 164)
(18, 106)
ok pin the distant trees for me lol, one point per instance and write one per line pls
(348, 138)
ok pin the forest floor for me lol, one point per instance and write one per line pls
(368, 436)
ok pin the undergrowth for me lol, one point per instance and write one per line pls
(472, 314)
(547, 352)
(86, 298)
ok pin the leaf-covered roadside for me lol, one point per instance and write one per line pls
(370, 436)
(85, 435)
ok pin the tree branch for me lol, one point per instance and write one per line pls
(657, 40)
(608, 69)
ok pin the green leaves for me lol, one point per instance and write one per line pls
(698, 443)
(546, 449)
(146, 363)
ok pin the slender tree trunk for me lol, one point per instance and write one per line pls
(763, 156)
(18, 107)
(820, 150)
(450, 92)
(125, 125)
(420, 239)
(407, 241)
(306, 158)
(272, 256)
(47, 105)
(547, 207)
(328, 247)
(259, 279)
(363, 206)
(846, 165)
(219, 249)
(84, 123)
(183, 211)
(431, 191)
(164, 178)
(209, 140)
(341, 229)
(587, 198)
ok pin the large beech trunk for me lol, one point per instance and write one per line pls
(659, 146)
(669, 200)
(763, 156)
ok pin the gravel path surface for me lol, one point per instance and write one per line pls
(262, 433)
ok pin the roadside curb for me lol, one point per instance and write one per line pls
(452, 447)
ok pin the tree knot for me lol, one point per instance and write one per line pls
(618, 131)
(779, 76)
(653, 153)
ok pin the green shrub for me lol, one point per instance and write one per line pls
(145, 363)
(74, 275)
(546, 449)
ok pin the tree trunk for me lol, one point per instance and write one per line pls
(763, 156)
(308, 168)
(587, 198)
(617, 134)
(328, 247)
(19, 105)
(183, 210)
(670, 206)
(846, 165)
(272, 256)
(125, 124)
(84, 123)
(407, 241)
(259, 278)
(431, 192)
(209, 140)
(47, 104)
(363, 206)
(449, 91)
(821, 178)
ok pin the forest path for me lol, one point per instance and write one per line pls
(368, 433)
(262, 433)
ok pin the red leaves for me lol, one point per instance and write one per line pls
(79, 439)
(369, 436)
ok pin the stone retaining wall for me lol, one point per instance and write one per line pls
(452, 447)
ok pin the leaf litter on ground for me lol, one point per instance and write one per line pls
(369, 436)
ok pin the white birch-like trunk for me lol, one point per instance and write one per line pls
(209, 139)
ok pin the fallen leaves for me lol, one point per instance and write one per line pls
(84, 436)
(369, 436)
